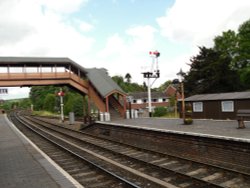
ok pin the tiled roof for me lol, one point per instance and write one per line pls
(220, 96)
(144, 95)
(44, 60)
(100, 79)
(34, 61)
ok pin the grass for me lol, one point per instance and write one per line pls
(44, 113)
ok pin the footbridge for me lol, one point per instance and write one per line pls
(106, 95)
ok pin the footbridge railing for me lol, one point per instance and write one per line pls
(33, 71)
(53, 78)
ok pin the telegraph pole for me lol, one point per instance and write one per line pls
(153, 73)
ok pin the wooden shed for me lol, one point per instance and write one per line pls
(218, 105)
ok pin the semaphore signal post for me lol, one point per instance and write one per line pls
(61, 94)
(154, 72)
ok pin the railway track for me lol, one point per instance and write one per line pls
(86, 172)
(140, 167)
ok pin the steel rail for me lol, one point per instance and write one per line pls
(147, 150)
(83, 158)
(199, 180)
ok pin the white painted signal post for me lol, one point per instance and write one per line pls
(154, 72)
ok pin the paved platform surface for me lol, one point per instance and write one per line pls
(212, 128)
(206, 127)
(23, 166)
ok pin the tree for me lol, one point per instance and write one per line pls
(38, 95)
(224, 67)
(128, 77)
(6, 106)
(241, 61)
(163, 86)
(226, 44)
(49, 102)
(242, 55)
(127, 86)
(78, 106)
(210, 72)
(25, 103)
(45, 98)
(118, 79)
(73, 103)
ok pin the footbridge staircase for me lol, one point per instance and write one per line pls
(101, 90)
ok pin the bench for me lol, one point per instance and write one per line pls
(242, 115)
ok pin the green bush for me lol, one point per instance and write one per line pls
(188, 121)
(73, 103)
(49, 102)
(160, 111)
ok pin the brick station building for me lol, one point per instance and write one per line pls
(158, 99)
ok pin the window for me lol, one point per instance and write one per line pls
(198, 106)
(227, 106)
(134, 101)
(139, 101)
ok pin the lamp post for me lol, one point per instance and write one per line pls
(181, 79)
(176, 83)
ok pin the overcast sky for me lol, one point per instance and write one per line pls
(116, 34)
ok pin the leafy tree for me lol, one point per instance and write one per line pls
(73, 103)
(38, 95)
(118, 79)
(127, 86)
(242, 54)
(69, 104)
(6, 106)
(224, 67)
(226, 44)
(245, 77)
(132, 87)
(163, 86)
(49, 102)
(241, 60)
(14, 105)
(78, 106)
(25, 103)
(172, 101)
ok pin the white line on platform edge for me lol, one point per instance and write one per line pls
(178, 132)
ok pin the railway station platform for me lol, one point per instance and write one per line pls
(225, 129)
(23, 165)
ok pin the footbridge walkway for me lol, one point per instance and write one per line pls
(34, 71)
